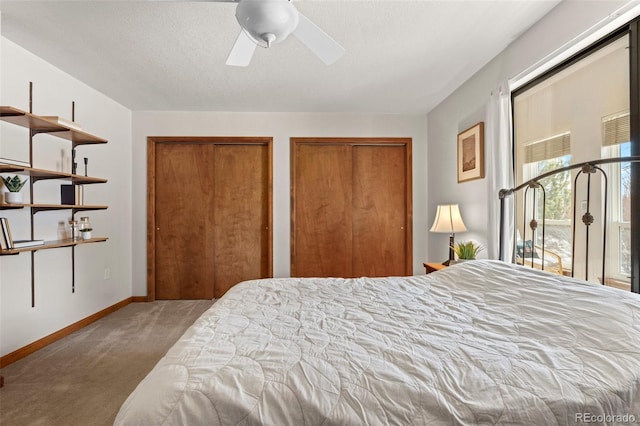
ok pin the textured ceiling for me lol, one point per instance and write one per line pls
(402, 56)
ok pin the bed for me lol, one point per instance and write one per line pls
(480, 342)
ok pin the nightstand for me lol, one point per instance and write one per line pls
(432, 267)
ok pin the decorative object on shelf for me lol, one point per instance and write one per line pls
(68, 195)
(448, 220)
(62, 122)
(86, 163)
(86, 233)
(85, 228)
(471, 153)
(14, 184)
(74, 164)
(73, 227)
(79, 195)
(72, 195)
(467, 250)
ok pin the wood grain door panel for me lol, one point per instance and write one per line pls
(379, 210)
(240, 216)
(183, 253)
(322, 229)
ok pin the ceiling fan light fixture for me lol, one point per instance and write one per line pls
(267, 22)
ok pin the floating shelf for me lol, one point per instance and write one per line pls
(41, 174)
(47, 207)
(11, 206)
(52, 244)
(41, 125)
(75, 207)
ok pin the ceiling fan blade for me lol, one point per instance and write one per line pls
(317, 40)
(242, 51)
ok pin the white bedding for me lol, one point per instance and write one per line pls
(482, 342)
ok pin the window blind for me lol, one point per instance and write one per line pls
(616, 130)
(545, 149)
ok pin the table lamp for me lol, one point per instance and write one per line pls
(448, 220)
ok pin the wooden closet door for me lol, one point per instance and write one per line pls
(209, 215)
(184, 198)
(240, 215)
(379, 210)
(351, 207)
(322, 205)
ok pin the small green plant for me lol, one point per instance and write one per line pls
(13, 184)
(467, 250)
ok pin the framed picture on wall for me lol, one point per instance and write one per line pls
(471, 153)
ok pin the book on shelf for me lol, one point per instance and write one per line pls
(27, 243)
(62, 121)
(9, 242)
(6, 236)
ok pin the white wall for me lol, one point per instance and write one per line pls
(55, 305)
(280, 126)
(468, 105)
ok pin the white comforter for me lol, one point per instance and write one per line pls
(478, 343)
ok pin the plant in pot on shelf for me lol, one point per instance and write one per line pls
(467, 250)
(14, 185)
(85, 233)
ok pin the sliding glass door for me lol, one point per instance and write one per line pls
(578, 112)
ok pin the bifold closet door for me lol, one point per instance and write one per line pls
(209, 216)
(351, 208)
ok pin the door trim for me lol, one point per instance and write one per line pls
(152, 142)
(405, 142)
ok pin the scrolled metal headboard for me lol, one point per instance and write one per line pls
(587, 169)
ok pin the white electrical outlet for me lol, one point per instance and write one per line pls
(107, 273)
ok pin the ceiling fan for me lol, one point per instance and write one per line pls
(268, 22)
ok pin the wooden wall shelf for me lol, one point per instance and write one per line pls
(41, 174)
(38, 124)
(52, 244)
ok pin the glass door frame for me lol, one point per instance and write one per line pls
(632, 30)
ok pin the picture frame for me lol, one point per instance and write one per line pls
(471, 153)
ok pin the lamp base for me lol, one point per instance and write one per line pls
(451, 254)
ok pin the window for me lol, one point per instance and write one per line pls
(615, 141)
(542, 156)
(557, 205)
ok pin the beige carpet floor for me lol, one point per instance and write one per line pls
(83, 378)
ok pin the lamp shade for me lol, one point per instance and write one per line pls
(448, 220)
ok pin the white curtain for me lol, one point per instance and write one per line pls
(499, 167)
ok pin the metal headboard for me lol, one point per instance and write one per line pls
(587, 169)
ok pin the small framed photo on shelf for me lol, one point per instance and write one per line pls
(471, 153)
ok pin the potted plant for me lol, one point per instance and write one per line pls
(14, 185)
(467, 250)
(86, 233)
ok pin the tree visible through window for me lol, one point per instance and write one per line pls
(557, 207)
(624, 215)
